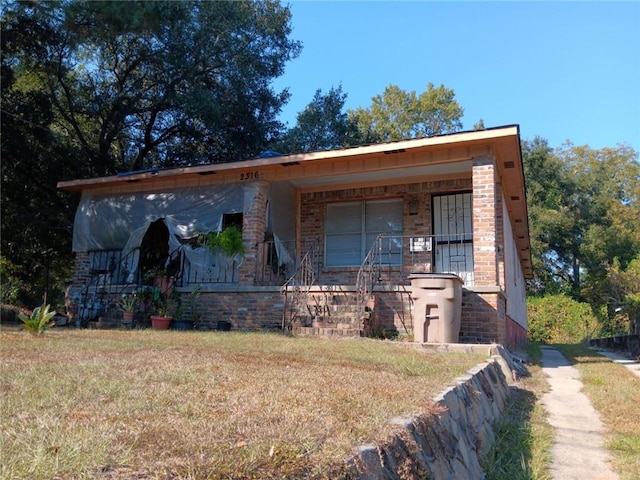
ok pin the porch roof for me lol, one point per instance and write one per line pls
(396, 162)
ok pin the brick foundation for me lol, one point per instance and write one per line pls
(245, 309)
(516, 334)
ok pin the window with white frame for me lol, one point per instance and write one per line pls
(351, 229)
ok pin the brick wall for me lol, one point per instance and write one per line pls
(81, 269)
(483, 317)
(484, 221)
(254, 224)
(515, 333)
(258, 308)
(313, 211)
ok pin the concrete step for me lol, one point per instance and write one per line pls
(328, 332)
(328, 322)
(340, 324)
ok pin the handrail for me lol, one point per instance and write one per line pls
(300, 282)
(400, 255)
(108, 278)
(368, 275)
(393, 257)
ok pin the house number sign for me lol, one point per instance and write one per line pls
(249, 176)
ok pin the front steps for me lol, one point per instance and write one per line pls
(327, 332)
(331, 313)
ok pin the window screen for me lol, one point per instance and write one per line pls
(351, 229)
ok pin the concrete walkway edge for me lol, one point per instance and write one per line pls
(578, 452)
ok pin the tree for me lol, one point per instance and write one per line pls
(322, 125)
(36, 218)
(94, 88)
(550, 234)
(584, 213)
(136, 84)
(397, 114)
(623, 289)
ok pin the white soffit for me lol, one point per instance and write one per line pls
(392, 175)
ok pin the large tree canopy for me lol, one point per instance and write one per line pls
(165, 83)
(584, 217)
(94, 88)
(393, 115)
(322, 125)
(397, 114)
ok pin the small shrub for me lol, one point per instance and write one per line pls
(560, 319)
(40, 320)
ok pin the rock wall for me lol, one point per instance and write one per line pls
(448, 443)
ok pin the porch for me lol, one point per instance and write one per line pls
(301, 297)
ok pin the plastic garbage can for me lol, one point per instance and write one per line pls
(437, 307)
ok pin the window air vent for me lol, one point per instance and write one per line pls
(509, 164)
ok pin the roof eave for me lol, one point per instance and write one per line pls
(298, 158)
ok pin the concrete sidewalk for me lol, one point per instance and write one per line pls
(632, 365)
(578, 452)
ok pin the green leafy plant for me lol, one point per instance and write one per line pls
(129, 302)
(166, 304)
(40, 320)
(560, 319)
(160, 305)
(228, 240)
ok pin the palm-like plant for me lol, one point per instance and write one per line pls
(129, 302)
(39, 321)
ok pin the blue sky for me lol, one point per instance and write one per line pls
(561, 70)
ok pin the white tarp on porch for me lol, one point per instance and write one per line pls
(120, 221)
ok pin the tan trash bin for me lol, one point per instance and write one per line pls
(437, 307)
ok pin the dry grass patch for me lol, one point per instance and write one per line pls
(615, 393)
(147, 404)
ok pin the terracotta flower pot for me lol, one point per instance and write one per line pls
(127, 319)
(160, 323)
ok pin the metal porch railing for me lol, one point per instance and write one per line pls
(392, 258)
(296, 289)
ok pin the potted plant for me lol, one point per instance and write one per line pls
(159, 277)
(161, 315)
(228, 240)
(191, 310)
(129, 306)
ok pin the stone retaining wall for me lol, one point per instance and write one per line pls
(448, 443)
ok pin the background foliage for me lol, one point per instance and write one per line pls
(560, 319)
(94, 88)
(584, 219)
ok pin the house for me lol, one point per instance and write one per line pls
(330, 237)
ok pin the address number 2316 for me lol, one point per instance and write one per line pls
(249, 176)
